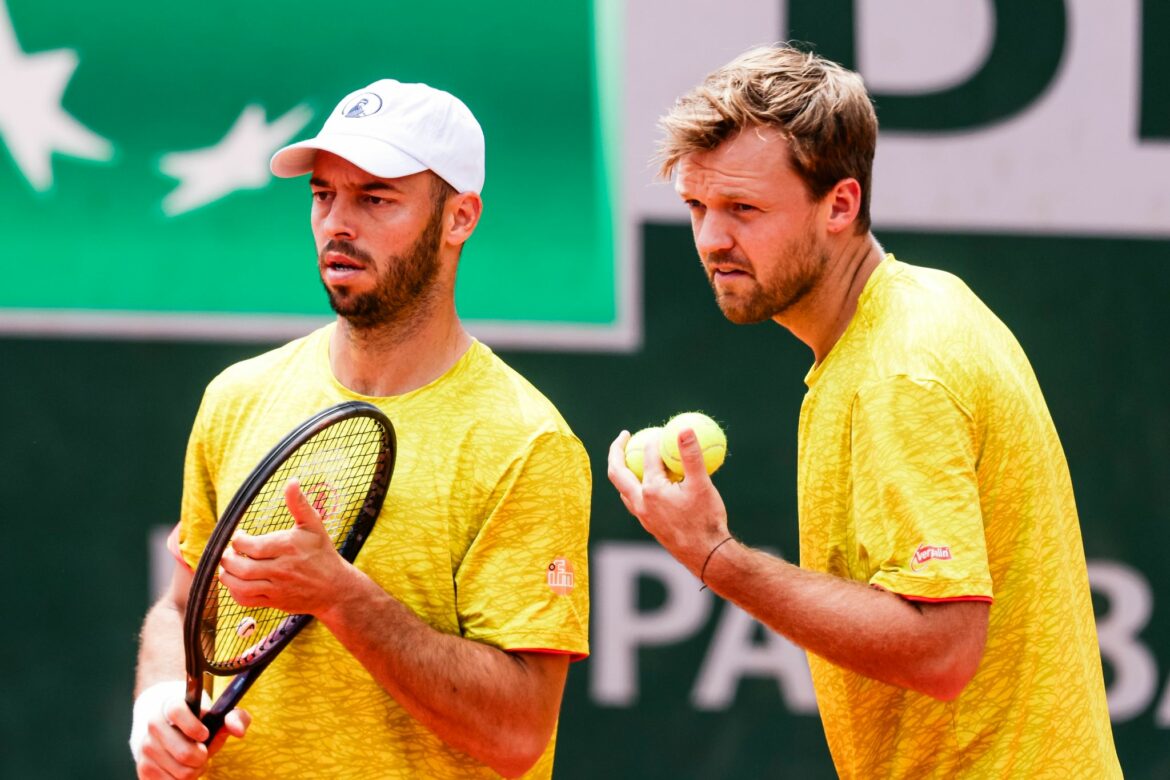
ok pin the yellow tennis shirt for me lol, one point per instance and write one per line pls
(483, 535)
(929, 466)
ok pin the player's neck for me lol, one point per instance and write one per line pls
(396, 359)
(820, 319)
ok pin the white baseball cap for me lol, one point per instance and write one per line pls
(391, 129)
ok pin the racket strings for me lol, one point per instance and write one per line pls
(335, 469)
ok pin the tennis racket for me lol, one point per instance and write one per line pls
(343, 457)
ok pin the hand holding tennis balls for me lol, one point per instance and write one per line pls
(712, 441)
(636, 449)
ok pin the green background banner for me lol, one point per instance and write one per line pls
(679, 684)
(158, 200)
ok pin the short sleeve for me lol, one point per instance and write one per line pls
(916, 491)
(524, 583)
(198, 507)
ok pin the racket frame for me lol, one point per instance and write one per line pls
(205, 572)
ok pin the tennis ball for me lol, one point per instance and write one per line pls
(636, 450)
(711, 438)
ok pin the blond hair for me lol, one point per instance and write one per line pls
(821, 108)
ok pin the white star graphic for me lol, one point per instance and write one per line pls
(33, 125)
(238, 162)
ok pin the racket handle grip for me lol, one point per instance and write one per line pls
(214, 722)
(227, 700)
(195, 694)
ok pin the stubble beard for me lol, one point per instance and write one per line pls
(405, 287)
(770, 298)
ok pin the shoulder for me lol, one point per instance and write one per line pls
(508, 420)
(927, 320)
(916, 294)
(276, 379)
(509, 398)
(262, 370)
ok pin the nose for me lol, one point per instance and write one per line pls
(337, 221)
(711, 233)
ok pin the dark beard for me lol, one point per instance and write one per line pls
(404, 288)
(765, 304)
(771, 299)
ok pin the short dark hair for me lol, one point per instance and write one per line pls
(821, 108)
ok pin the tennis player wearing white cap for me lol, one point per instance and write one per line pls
(443, 650)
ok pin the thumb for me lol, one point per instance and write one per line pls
(691, 455)
(304, 514)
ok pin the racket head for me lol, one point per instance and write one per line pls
(344, 458)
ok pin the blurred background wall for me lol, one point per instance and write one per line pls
(143, 247)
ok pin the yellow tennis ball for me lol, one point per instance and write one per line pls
(636, 450)
(712, 440)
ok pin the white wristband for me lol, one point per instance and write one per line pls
(151, 703)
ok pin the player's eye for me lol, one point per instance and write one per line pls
(742, 207)
(322, 196)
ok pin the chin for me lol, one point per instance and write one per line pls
(744, 318)
(740, 314)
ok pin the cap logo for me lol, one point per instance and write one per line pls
(927, 553)
(560, 576)
(365, 104)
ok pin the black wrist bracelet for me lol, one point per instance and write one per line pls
(703, 571)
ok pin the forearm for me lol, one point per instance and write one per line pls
(931, 648)
(166, 738)
(850, 624)
(492, 705)
(160, 650)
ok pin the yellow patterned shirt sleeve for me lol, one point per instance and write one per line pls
(491, 489)
(506, 600)
(929, 466)
(918, 511)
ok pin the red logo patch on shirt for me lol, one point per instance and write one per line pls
(561, 580)
(324, 499)
(927, 553)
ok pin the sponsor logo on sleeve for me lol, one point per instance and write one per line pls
(927, 553)
(561, 579)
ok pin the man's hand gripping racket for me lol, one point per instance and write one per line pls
(343, 458)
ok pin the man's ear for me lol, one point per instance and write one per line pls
(463, 211)
(844, 204)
